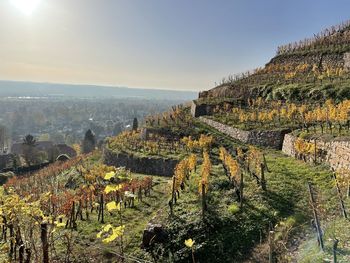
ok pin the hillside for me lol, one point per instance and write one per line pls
(312, 69)
(225, 195)
(261, 175)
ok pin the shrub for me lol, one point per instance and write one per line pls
(233, 209)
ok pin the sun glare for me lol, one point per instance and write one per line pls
(26, 6)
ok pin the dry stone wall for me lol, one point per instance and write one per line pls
(143, 165)
(335, 153)
(269, 138)
(347, 61)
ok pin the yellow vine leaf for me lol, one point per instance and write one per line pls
(112, 188)
(105, 229)
(109, 175)
(189, 243)
(116, 232)
(58, 224)
(113, 206)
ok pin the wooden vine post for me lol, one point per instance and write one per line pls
(271, 248)
(241, 187)
(173, 197)
(315, 153)
(100, 210)
(340, 196)
(265, 163)
(204, 204)
(317, 222)
(335, 246)
(45, 243)
(263, 181)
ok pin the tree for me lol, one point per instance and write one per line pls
(89, 142)
(30, 153)
(135, 124)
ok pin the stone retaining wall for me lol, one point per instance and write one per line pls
(347, 61)
(143, 165)
(335, 153)
(200, 110)
(273, 139)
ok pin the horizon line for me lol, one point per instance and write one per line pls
(98, 85)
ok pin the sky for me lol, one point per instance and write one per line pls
(160, 44)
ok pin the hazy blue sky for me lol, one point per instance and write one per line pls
(179, 44)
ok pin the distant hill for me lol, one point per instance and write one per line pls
(32, 89)
(315, 69)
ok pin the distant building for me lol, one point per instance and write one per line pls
(66, 150)
(46, 146)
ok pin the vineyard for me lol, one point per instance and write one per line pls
(45, 214)
(330, 117)
(227, 189)
(226, 200)
(177, 120)
(131, 142)
(336, 37)
(313, 69)
(220, 190)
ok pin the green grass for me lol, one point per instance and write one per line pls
(228, 234)
(311, 253)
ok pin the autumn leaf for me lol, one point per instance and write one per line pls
(113, 206)
(109, 175)
(189, 243)
(116, 232)
(112, 188)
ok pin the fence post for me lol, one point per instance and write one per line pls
(263, 181)
(342, 206)
(317, 222)
(271, 257)
(335, 245)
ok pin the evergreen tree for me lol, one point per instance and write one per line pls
(29, 151)
(89, 142)
(135, 124)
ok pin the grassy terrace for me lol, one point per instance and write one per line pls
(291, 90)
(228, 234)
(286, 200)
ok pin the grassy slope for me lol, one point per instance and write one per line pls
(229, 236)
(309, 251)
(225, 235)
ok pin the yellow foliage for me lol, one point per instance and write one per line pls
(111, 232)
(189, 243)
(113, 206)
